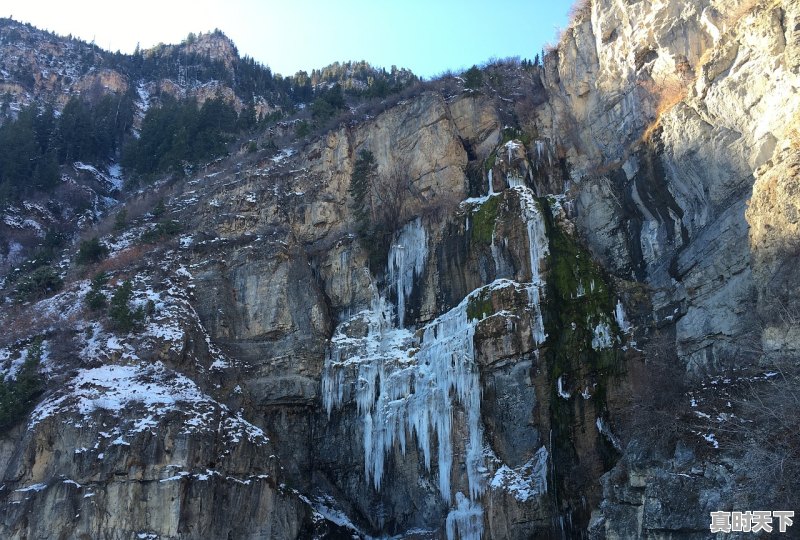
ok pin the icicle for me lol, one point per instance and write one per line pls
(602, 337)
(406, 261)
(561, 392)
(466, 519)
(581, 290)
(537, 325)
(496, 255)
(538, 249)
(443, 370)
(514, 181)
(446, 360)
(619, 315)
(332, 384)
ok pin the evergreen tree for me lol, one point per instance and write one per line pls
(473, 78)
(95, 299)
(365, 170)
(91, 251)
(39, 283)
(122, 317)
(17, 395)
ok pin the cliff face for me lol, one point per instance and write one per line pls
(695, 203)
(701, 83)
(486, 380)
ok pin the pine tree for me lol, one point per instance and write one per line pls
(364, 171)
(123, 318)
(473, 78)
(91, 251)
(95, 299)
(17, 395)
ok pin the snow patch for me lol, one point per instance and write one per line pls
(527, 481)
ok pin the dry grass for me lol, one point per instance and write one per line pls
(123, 259)
(667, 94)
(24, 321)
(579, 10)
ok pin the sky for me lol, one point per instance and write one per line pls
(426, 36)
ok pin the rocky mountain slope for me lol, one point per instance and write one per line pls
(584, 322)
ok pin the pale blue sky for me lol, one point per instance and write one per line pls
(426, 36)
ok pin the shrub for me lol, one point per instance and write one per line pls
(473, 78)
(122, 317)
(121, 220)
(38, 284)
(302, 128)
(159, 209)
(95, 299)
(17, 395)
(161, 231)
(91, 251)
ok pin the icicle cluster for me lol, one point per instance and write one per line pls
(538, 249)
(407, 387)
(406, 261)
(466, 519)
(398, 395)
(619, 315)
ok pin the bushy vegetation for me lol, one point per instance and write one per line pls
(473, 78)
(123, 318)
(91, 251)
(328, 104)
(43, 256)
(377, 203)
(95, 299)
(162, 231)
(41, 282)
(17, 395)
(365, 171)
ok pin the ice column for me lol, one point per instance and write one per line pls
(406, 261)
(619, 315)
(399, 395)
(466, 518)
(538, 249)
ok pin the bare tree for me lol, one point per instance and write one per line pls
(390, 194)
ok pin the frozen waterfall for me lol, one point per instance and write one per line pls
(398, 394)
(408, 384)
(406, 261)
(538, 249)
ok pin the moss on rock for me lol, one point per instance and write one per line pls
(483, 221)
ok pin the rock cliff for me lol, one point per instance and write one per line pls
(592, 266)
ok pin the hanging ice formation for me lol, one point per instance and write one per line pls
(619, 315)
(398, 394)
(542, 152)
(466, 519)
(407, 386)
(406, 261)
(538, 249)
